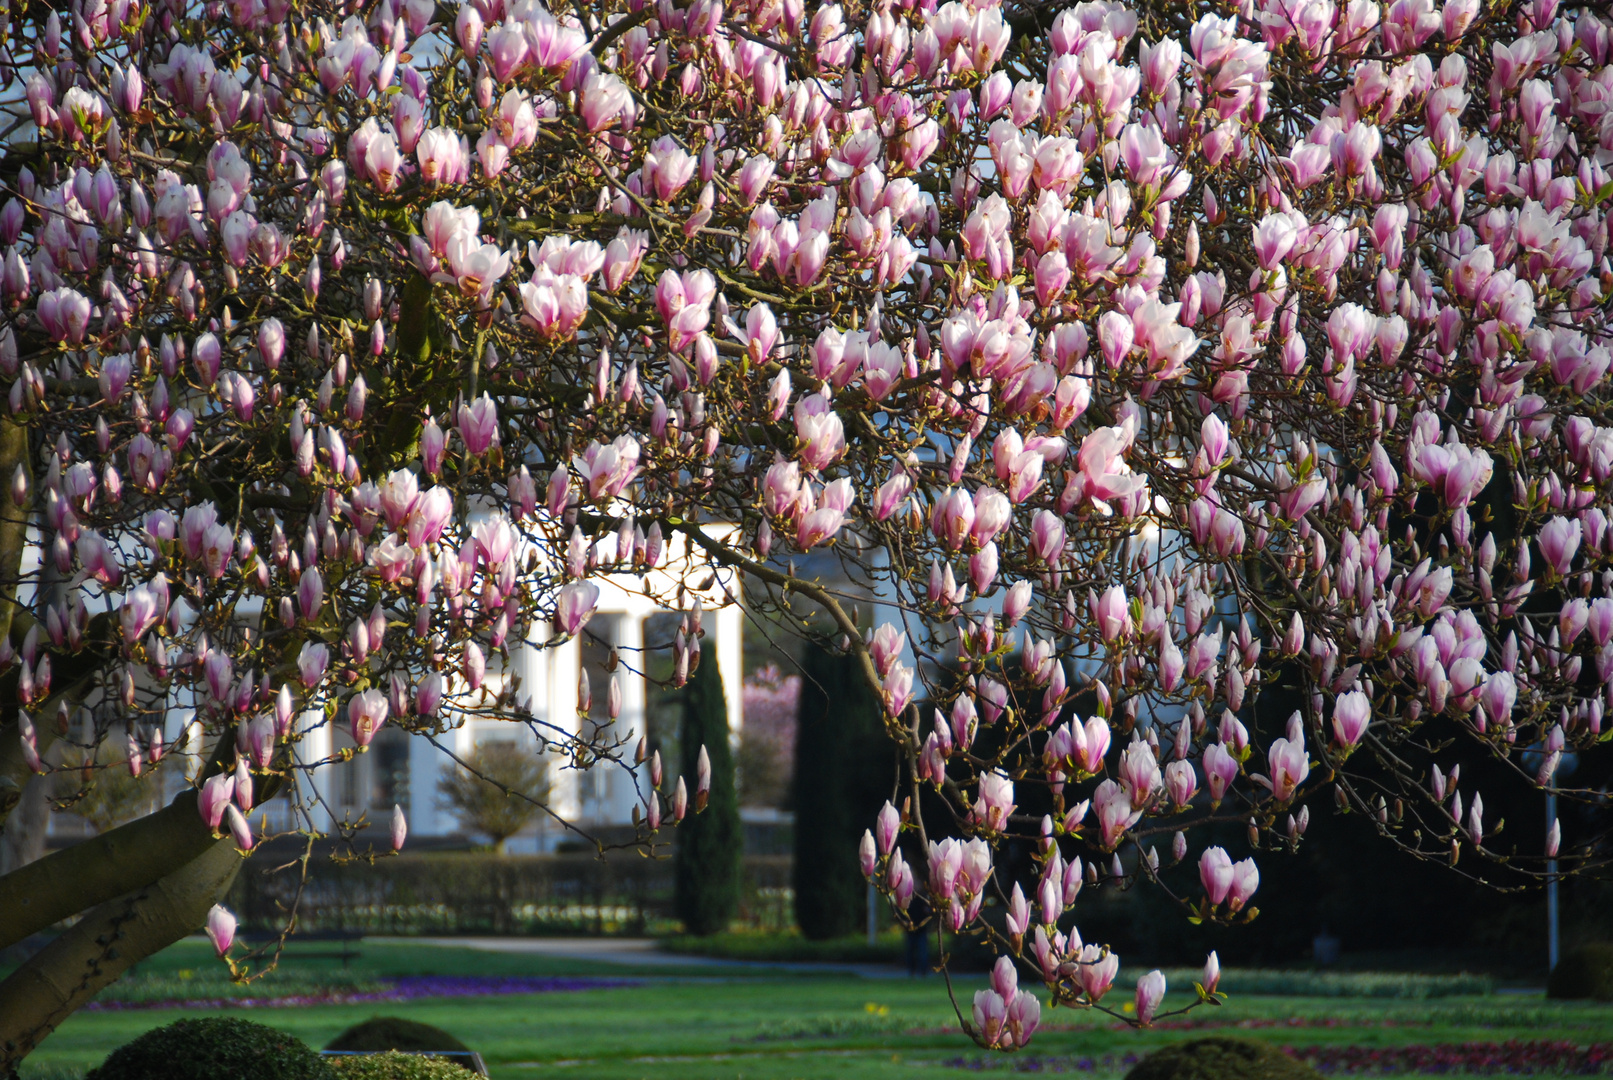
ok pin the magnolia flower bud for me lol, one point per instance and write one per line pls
(400, 828)
(220, 928)
(21, 488)
(702, 789)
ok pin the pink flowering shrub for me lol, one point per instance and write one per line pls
(767, 739)
(1137, 352)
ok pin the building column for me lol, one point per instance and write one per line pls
(730, 636)
(630, 725)
(315, 746)
(562, 664)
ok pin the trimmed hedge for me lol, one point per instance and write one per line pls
(213, 1048)
(393, 1065)
(481, 893)
(395, 1033)
(1584, 972)
(1221, 1059)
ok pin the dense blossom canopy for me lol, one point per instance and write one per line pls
(1169, 355)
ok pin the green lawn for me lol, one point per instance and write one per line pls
(769, 1026)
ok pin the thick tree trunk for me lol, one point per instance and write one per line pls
(132, 856)
(75, 967)
(23, 840)
(154, 879)
(13, 540)
(13, 519)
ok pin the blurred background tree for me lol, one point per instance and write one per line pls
(101, 789)
(498, 794)
(767, 741)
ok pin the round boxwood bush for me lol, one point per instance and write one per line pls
(395, 1033)
(392, 1065)
(211, 1048)
(1584, 972)
(1221, 1059)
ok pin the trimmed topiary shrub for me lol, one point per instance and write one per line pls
(212, 1048)
(1221, 1059)
(710, 844)
(1584, 972)
(395, 1033)
(393, 1065)
(843, 768)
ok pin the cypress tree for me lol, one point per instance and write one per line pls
(707, 862)
(843, 773)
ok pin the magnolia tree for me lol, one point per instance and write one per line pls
(1164, 355)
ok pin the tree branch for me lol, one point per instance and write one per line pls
(132, 856)
(816, 593)
(43, 992)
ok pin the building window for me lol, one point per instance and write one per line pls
(348, 779)
(345, 784)
(598, 647)
(389, 769)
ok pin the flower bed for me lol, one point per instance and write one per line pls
(1515, 1058)
(402, 988)
(1048, 1063)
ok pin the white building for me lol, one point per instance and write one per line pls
(400, 768)
(404, 769)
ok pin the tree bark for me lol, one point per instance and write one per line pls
(132, 856)
(23, 840)
(13, 540)
(13, 519)
(47, 989)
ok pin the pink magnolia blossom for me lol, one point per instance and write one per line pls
(1112, 614)
(1352, 713)
(214, 797)
(1220, 770)
(220, 928)
(1245, 880)
(606, 100)
(607, 470)
(1115, 813)
(1216, 874)
(1289, 767)
(1150, 992)
(366, 712)
(64, 315)
(820, 432)
(996, 801)
(574, 606)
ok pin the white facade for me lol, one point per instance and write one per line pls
(403, 768)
